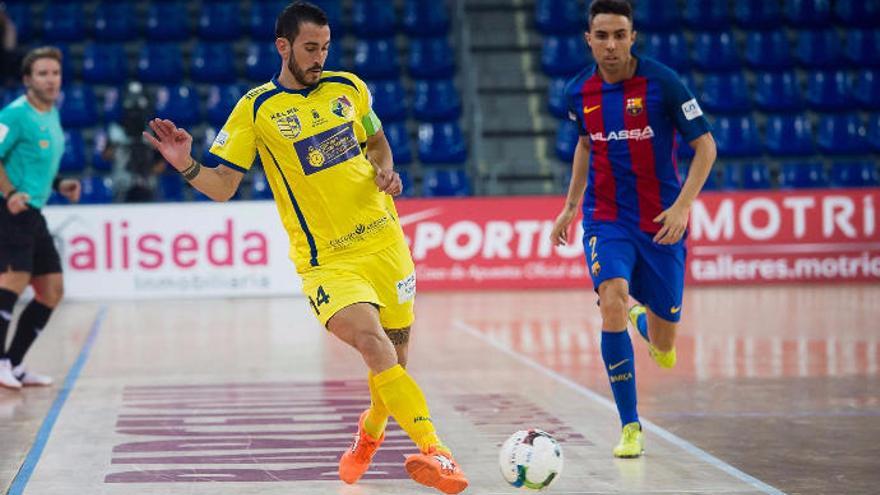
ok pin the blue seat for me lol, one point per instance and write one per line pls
(730, 177)
(407, 183)
(859, 13)
(211, 63)
(556, 101)
(841, 134)
(788, 135)
(64, 22)
(757, 14)
(670, 47)
(178, 103)
(110, 102)
(69, 68)
(376, 59)
(655, 15)
(725, 92)
(96, 190)
(335, 17)
(262, 61)
(425, 18)
(374, 19)
(260, 187)
(736, 136)
(707, 14)
(818, 48)
(22, 16)
(398, 139)
(170, 187)
(160, 63)
(768, 50)
(564, 55)
(165, 22)
(261, 22)
(862, 47)
(806, 175)
(866, 89)
(436, 100)
(73, 161)
(567, 136)
(714, 51)
(99, 146)
(560, 17)
(431, 58)
(104, 63)
(114, 21)
(855, 174)
(754, 176)
(389, 99)
(441, 142)
(219, 21)
(828, 91)
(221, 101)
(78, 107)
(441, 181)
(777, 91)
(807, 13)
(874, 132)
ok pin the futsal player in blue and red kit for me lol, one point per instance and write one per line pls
(635, 206)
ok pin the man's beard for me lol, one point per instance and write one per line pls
(299, 74)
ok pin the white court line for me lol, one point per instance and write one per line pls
(646, 425)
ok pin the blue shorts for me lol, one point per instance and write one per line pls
(655, 272)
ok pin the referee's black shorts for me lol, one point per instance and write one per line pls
(25, 243)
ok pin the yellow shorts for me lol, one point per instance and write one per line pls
(386, 279)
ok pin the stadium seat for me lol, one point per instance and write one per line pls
(874, 132)
(860, 13)
(777, 91)
(407, 182)
(425, 18)
(757, 14)
(110, 102)
(114, 21)
(376, 59)
(63, 22)
(807, 13)
(788, 135)
(828, 91)
(22, 16)
(178, 103)
(219, 21)
(818, 48)
(430, 58)
(436, 100)
(333, 60)
(73, 161)
(736, 136)
(715, 51)
(69, 68)
(165, 22)
(671, 48)
(262, 61)
(441, 142)
(564, 56)
(99, 145)
(221, 101)
(160, 63)
(213, 62)
(374, 19)
(389, 99)
(655, 15)
(866, 89)
(556, 102)
(261, 22)
(560, 17)
(806, 175)
(441, 181)
(96, 190)
(724, 92)
(707, 14)
(104, 63)
(567, 136)
(855, 174)
(730, 177)
(841, 134)
(398, 139)
(862, 47)
(768, 50)
(754, 175)
(77, 106)
(260, 187)
(333, 9)
(170, 187)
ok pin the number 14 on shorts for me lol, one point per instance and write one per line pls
(321, 297)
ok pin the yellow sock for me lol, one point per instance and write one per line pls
(377, 416)
(406, 402)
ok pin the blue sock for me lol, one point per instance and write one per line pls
(617, 352)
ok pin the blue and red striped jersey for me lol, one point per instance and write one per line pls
(633, 175)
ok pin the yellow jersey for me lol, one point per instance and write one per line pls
(311, 143)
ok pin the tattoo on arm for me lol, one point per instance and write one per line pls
(398, 336)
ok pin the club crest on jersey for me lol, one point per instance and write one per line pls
(634, 106)
(341, 107)
(288, 125)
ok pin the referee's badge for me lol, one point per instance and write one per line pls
(634, 106)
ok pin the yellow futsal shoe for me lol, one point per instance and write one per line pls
(631, 444)
(664, 359)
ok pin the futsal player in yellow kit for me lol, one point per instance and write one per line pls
(331, 173)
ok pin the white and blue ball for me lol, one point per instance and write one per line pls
(531, 459)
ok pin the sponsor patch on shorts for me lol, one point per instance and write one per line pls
(406, 289)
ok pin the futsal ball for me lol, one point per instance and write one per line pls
(530, 459)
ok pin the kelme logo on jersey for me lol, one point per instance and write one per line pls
(634, 106)
(342, 107)
(328, 148)
(288, 124)
(635, 134)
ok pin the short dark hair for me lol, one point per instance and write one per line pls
(27, 63)
(287, 24)
(617, 7)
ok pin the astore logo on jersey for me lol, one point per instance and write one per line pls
(634, 134)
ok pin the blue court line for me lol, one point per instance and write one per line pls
(30, 462)
(608, 404)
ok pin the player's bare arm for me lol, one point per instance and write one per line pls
(379, 154)
(175, 145)
(16, 201)
(559, 234)
(675, 218)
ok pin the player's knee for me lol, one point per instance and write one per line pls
(51, 295)
(613, 300)
(370, 342)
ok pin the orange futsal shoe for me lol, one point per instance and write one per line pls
(437, 469)
(356, 460)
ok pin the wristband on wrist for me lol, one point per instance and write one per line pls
(192, 171)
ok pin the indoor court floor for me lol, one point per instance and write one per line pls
(776, 391)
